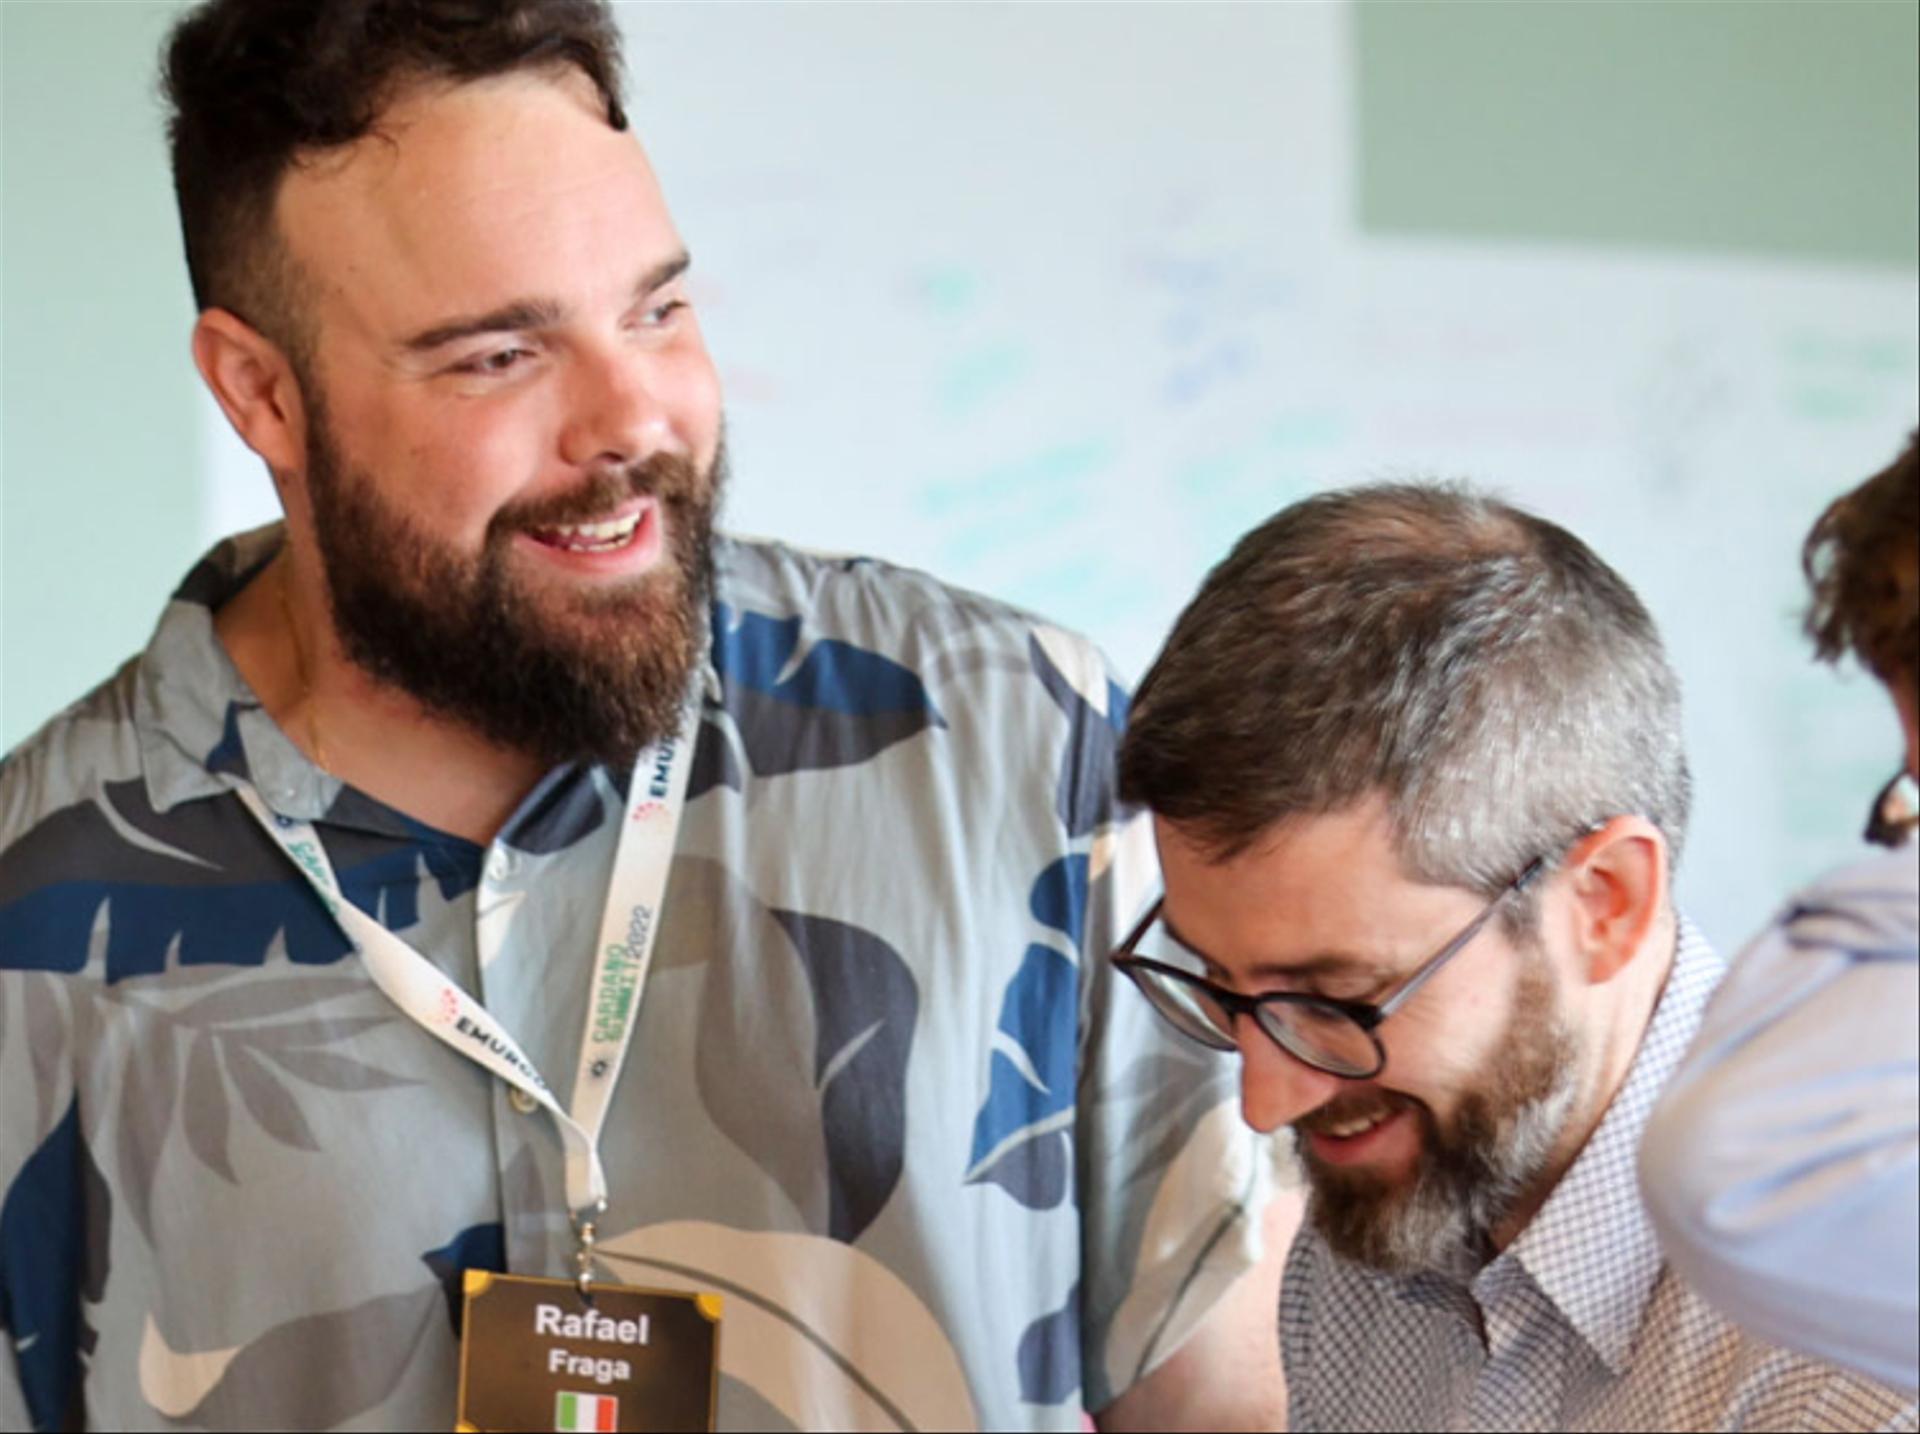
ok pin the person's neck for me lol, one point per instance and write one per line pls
(1606, 1070)
(371, 736)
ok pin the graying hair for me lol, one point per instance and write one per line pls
(1478, 666)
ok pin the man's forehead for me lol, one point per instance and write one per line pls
(1319, 894)
(468, 191)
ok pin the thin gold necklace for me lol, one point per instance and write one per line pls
(300, 667)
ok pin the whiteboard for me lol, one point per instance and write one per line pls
(1056, 301)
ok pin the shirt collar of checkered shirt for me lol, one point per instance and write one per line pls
(1591, 1249)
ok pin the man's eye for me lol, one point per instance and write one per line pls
(498, 361)
(661, 313)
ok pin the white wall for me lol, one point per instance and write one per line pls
(1057, 300)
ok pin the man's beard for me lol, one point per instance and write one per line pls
(591, 675)
(1471, 1175)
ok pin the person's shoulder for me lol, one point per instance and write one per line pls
(93, 740)
(865, 593)
(1869, 909)
(1740, 1380)
(911, 617)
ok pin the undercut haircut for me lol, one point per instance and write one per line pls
(1863, 561)
(255, 86)
(1477, 666)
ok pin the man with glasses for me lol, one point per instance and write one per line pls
(1415, 766)
(1782, 1168)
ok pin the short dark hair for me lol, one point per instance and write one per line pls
(1476, 665)
(1863, 560)
(254, 84)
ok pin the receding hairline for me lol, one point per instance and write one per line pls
(273, 288)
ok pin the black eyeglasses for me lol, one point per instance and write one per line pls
(1338, 1037)
(1895, 814)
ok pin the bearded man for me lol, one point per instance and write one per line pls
(492, 764)
(1414, 758)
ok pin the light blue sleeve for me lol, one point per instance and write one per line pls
(1782, 1166)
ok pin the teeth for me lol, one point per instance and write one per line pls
(618, 529)
(593, 537)
(1349, 1128)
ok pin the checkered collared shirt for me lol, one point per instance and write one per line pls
(1579, 1324)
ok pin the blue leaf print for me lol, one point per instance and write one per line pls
(1086, 796)
(1049, 1355)
(1030, 1085)
(1059, 898)
(53, 1251)
(478, 1247)
(225, 895)
(839, 706)
(230, 753)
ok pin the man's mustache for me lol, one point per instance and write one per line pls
(665, 476)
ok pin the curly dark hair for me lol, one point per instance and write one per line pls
(254, 84)
(1863, 560)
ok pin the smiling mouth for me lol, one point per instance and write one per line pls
(604, 537)
(1347, 1129)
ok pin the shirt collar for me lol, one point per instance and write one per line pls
(202, 730)
(1591, 1249)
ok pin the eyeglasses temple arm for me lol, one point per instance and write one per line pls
(1454, 947)
(1125, 948)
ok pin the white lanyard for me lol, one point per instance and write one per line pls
(643, 855)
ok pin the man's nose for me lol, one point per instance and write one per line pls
(1275, 1088)
(615, 415)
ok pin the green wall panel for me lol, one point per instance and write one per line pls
(99, 446)
(1780, 128)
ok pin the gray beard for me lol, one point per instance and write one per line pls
(1474, 1175)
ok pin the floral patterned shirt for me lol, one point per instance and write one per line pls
(885, 1093)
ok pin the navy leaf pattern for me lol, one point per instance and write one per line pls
(834, 1083)
(565, 808)
(831, 705)
(53, 1253)
(1049, 1354)
(210, 888)
(478, 1247)
(229, 754)
(714, 763)
(864, 1003)
(1035, 1170)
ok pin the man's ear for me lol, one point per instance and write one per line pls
(1616, 879)
(255, 386)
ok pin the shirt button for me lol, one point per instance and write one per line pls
(521, 1101)
(499, 866)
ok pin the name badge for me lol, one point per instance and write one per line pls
(535, 1355)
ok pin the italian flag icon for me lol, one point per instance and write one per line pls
(600, 1412)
